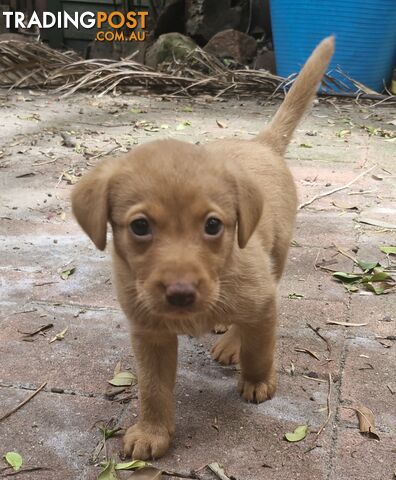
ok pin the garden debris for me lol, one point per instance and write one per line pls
(389, 250)
(334, 190)
(299, 434)
(328, 405)
(309, 352)
(108, 472)
(68, 140)
(69, 177)
(59, 336)
(25, 175)
(373, 278)
(123, 379)
(110, 468)
(37, 65)
(133, 465)
(314, 376)
(346, 324)
(366, 421)
(65, 274)
(6, 415)
(376, 223)
(316, 330)
(380, 132)
(14, 460)
(43, 328)
(295, 296)
(218, 470)
(107, 431)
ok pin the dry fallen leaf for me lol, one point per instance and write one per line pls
(59, 336)
(309, 352)
(220, 124)
(366, 421)
(123, 379)
(218, 470)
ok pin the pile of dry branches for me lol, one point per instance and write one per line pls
(25, 64)
(28, 65)
(34, 64)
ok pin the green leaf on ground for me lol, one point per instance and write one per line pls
(108, 472)
(295, 295)
(305, 145)
(65, 274)
(299, 434)
(14, 460)
(123, 379)
(183, 125)
(343, 133)
(133, 465)
(367, 266)
(348, 277)
(378, 276)
(389, 250)
(109, 432)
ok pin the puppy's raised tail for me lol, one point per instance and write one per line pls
(279, 131)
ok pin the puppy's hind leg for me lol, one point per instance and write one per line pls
(226, 349)
(258, 376)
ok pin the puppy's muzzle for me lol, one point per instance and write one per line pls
(181, 294)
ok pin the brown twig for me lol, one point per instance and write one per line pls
(188, 476)
(316, 330)
(103, 154)
(329, 412)
(335, 190)
(346, 254)
(6, 415)
(26, 470)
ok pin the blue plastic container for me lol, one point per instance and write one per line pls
(365, 33)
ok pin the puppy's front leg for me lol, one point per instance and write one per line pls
(156, 361)
(258, 376)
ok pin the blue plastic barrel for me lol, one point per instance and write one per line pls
(365, 33)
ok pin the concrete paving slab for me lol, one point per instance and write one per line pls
(38, 237)
(53, 431)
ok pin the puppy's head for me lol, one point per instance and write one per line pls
(174, 212)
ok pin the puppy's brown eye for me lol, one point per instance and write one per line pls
(141, 227)
(213, 226)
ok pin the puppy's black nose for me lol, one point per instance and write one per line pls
(181, 294)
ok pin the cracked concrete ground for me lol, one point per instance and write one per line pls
(58, 429)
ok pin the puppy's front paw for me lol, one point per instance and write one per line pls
(257, 392)
(142, 441)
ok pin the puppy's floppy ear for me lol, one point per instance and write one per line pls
(90, 203)
(249, 208)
